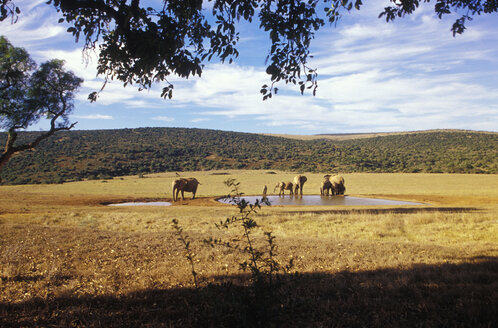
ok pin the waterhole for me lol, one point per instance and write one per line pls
(323, 200)
(310, 200)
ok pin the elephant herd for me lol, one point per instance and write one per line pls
(333, 185)
(295, 187)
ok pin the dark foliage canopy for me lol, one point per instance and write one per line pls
(141, 45)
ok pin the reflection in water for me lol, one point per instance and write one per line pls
(323, 200)
(142, 204)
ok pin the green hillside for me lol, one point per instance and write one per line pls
(101, 154)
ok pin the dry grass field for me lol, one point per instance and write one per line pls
(67, 259)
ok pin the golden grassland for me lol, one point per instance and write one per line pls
(66, 259)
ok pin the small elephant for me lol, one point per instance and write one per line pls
(184, 184)
(326, 186)
(282, 186)
(299, 181)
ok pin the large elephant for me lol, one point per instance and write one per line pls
(332, 184)
(338, 187)
(299, 181)
(184, 184)
(282, 186)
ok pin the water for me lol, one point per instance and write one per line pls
(142, 204)
(317, 200)
(307, 200)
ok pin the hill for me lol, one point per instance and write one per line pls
(102, 154)
(349, 136)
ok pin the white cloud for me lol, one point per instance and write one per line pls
(75, 61)
(34, 26)
(197, 120)
(163, 118)
(94, 117)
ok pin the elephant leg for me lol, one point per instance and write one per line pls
(193, 195)
(183, 196)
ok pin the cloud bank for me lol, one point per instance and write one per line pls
(410, 74)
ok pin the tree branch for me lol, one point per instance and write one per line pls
(10, 149)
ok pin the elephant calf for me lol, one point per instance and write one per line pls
(326, 186)
(282, 186)
(184, 184)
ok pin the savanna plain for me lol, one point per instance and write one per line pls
(68, 259)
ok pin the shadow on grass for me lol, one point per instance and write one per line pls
(23, 278)
(446, 295)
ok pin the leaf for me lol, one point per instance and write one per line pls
(92, 97)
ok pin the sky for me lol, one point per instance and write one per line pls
(407, 75)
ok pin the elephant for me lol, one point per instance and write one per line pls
(333, 184)
(299, 181)
(338, 187)
(184, 184)
(282, 186)
(326, 186)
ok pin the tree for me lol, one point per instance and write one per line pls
(27, 94)
(141, 45)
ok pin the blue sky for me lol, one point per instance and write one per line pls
(406, 75)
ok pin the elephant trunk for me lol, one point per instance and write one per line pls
(174, 190)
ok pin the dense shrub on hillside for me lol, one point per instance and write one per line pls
(75, 155)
